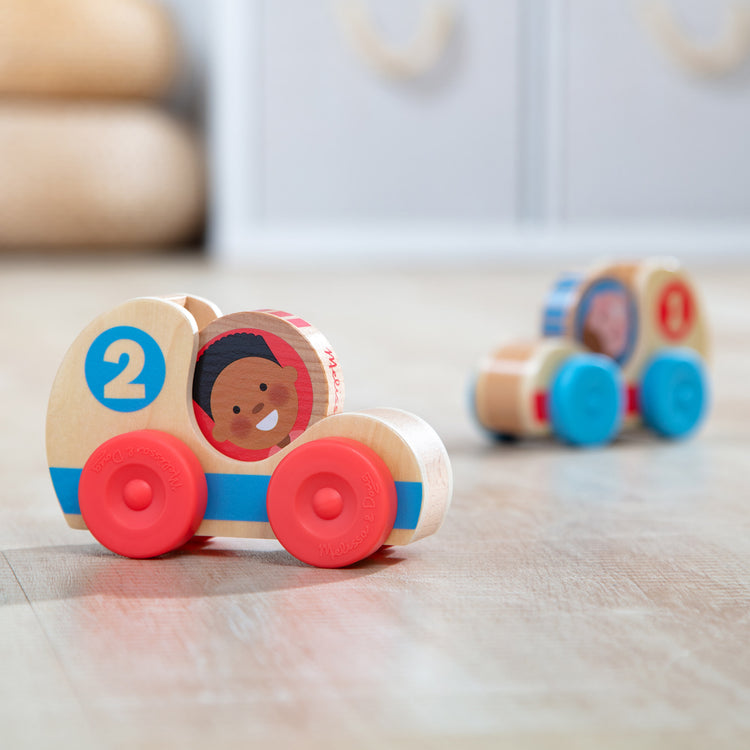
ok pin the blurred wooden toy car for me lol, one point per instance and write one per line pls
(167, 421)
(624, 344)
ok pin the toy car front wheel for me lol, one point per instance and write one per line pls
(674, 392)
(142, 493)
(586, 403)
(332, 502)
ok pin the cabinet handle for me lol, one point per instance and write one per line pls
(416, 58)
(725, 55)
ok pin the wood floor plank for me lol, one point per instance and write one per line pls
(37, 701)
(573, 599)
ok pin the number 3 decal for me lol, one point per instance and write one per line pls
(125, 369)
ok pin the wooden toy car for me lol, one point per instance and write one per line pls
(167, 421)
(624, 344)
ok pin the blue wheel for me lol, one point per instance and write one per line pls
(586, 400)
(674, 392)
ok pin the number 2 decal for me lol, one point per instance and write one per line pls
(125, 369)
(123, 385)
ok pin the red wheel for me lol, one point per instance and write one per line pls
(142, 493)
(332, 502)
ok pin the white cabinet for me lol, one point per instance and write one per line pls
(343, 141)
(643, 138)
(311, 140)
(543, 125)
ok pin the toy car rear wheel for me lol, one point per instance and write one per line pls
(674, 392)
(142, 493)
(332, 502)
(586, 400)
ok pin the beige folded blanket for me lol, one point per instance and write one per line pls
(78, 174)
(86, 48)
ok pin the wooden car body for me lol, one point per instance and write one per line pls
(132, 369)
(628, 313)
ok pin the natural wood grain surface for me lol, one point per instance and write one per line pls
(573, 599)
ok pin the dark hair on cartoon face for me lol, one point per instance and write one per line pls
(219, 355)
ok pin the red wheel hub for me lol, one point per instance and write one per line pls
(332, 502)
(142, 493)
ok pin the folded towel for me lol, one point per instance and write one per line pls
(87, 48)
(78, 174)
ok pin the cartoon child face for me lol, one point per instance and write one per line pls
(605, 328)
(254, 403)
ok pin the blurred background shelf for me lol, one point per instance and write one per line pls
(357, 130)
(541, 125)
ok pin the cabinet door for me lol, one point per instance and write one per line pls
(340, 141)
(641, 136)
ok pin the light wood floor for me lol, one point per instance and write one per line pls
(573, 599)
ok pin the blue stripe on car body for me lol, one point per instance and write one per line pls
(239, 497)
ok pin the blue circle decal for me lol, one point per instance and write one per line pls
(125, 369)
